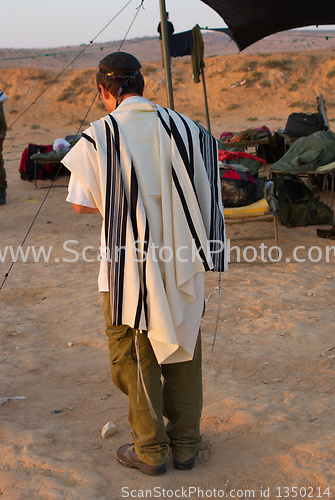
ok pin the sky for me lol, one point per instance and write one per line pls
(58, 23)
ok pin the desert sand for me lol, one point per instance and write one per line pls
(268, 414)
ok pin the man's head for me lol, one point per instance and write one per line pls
(119, 73)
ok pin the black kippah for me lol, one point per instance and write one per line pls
(119, 61)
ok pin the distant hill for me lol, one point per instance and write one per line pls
(148, 49)
(244, 90)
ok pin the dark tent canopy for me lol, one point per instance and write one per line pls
(252, 20)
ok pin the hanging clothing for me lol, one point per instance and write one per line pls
(181, 44)
(180, 212)
(197, 55)
(189, 43)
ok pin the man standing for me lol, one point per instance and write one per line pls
(169, 26)
(3, 130)
(170, 31)
(153, 175)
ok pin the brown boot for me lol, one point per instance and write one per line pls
(126, 455)
(187, 465)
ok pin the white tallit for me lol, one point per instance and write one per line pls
(163, 297)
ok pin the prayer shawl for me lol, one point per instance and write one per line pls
(192, 223)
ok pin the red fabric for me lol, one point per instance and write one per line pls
(28, 151)
(229, 155)
(264, 128)
(23, 161)
(224, 135)
(233, 174)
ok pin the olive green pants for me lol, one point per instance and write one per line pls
(3, 182)
(175, 392)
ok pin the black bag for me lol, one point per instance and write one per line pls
(239, 188)
(301, 124)
(273, 151)
(27, 166)
(297, 204)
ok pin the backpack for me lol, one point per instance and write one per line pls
(27, 166)
(298, 206)
(239, 188)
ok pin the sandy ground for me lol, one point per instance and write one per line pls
(268, 416)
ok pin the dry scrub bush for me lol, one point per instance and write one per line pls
(66, 95)
(231, 107)
(256, 75)
(248, 66)
(146, 70)
(265, 83)
(330, 74)
(277, 64)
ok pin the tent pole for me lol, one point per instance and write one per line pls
(206, 102)
(166, 54)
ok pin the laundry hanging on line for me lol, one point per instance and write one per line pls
(189, 43)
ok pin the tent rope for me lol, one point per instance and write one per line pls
(217, 322)
(54, 180)
(138, 10)
(68, 65)
(31, 225)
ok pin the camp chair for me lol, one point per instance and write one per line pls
(260, 211)
(53, 157)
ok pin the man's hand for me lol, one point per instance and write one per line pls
(81, 209)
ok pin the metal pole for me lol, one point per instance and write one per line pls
(205, 96)
(166, 54)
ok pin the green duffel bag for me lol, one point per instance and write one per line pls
(298, 206)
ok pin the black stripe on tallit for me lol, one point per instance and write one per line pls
(122, 223)
(189, 220)
(115, 224)
(116, 137)
(110, 216)
(208, 147)
(145, 288)
(133, 207)
(165, 125)
(138, 310)
(182, 150)
(108, 181)
(143, 292)
(122, 261)
(89, 139)
(173, 131)
(133, 200)
(190, 146)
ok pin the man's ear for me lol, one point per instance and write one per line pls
(104, 92)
